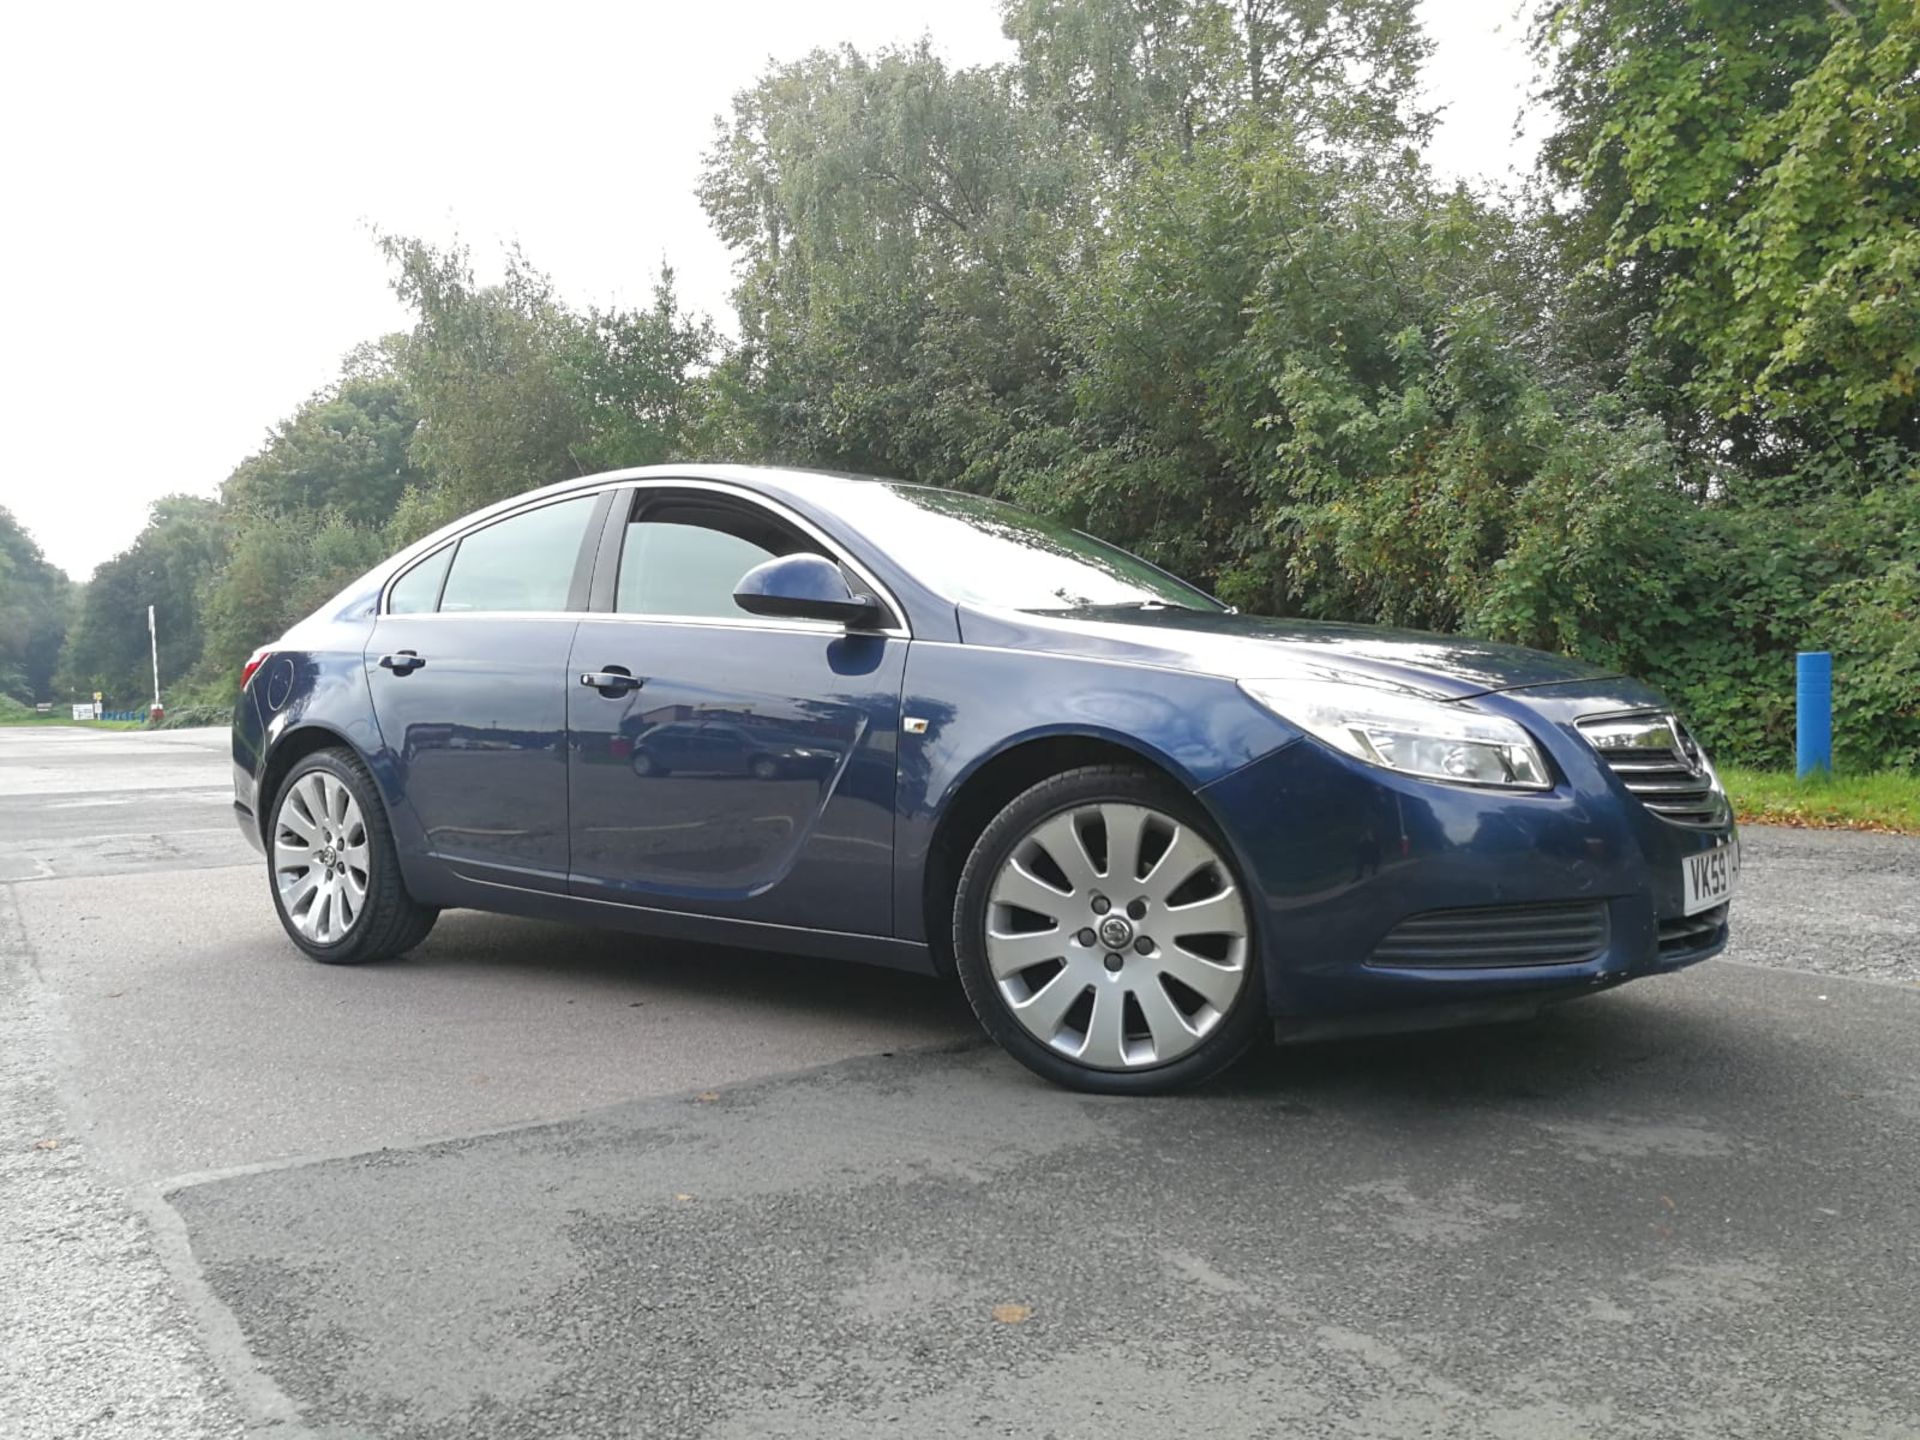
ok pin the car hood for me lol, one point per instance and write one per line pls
(1443, 667)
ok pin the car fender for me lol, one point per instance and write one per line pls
(318, 687)
(1195, 728)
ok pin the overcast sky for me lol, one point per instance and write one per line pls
(188, 192)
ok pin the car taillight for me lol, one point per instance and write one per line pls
(254, 662)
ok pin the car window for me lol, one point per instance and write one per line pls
(524, 563)
(681, 566)
(419, 589)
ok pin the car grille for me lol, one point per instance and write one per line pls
(1496, 935)
(1692, 932)
(1660, 763)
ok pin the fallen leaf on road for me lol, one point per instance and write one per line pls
(1012, 1314)
(46, 1144)
(707, 1097)
(683, 1197)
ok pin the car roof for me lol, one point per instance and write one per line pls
(777, 480)
(767, 477)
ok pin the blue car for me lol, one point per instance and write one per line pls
(1143, 831)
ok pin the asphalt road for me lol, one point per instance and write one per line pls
(544, 1182)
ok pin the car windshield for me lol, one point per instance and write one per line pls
(985, 552)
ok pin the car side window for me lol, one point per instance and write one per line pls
(418, 591)
(525, 562)
(683, 558)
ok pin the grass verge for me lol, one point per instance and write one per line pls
(1887, 801)
(12, 722)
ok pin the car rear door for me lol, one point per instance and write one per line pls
(467, 665)
(770, 798)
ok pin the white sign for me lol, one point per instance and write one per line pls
(83, 712)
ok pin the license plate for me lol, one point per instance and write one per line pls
(1709, 876)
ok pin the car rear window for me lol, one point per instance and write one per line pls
(524, 562)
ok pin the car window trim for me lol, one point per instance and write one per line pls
(587, 557)
(491, 615)
(613, 540)
(768, 623)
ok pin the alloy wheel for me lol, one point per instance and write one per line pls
(320, 857)
(1116, 936)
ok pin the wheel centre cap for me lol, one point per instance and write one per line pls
(1116, 932)
(326, 856)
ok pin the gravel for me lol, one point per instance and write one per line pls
(1832, 902)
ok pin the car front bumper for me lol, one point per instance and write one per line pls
(1340, 854)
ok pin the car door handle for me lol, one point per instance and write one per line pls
(613, 682)
(403, 663)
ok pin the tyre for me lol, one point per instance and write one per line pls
(333, 868)
(1104, 939)
(764, 767)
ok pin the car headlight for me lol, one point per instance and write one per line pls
(1411, 735)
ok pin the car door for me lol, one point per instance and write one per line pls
(722, 762)
(467, 665)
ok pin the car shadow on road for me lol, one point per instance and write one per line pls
(1600, 1045)
(1617, 1048)
(608, 964)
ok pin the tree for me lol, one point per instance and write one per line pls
(485, 365)
(1742, 238)
(165, 567)
(1746, 176)
(639, 374)
(904, 232)
(515, 389)
(1133, 74)
(34, 602)
(891, 221)
(348, 448)
(277, 568)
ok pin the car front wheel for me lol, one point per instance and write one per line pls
(1103, 937)
(334, 871)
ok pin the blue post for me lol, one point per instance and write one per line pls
(1814, 722)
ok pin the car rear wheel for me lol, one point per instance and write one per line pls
(1103, 937)
(334, 871)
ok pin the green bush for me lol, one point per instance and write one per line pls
(192, 717)
(1874, 630)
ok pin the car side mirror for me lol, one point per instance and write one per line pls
(804, 587)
